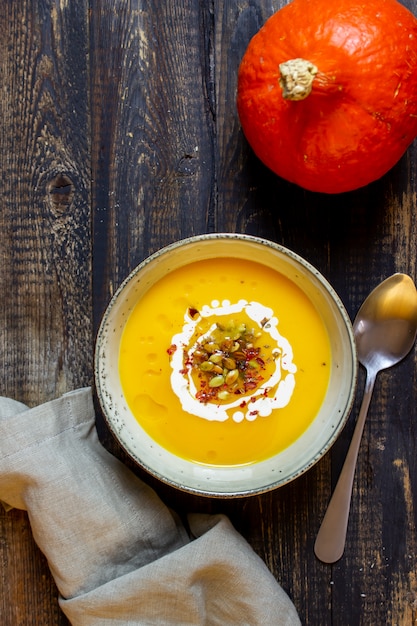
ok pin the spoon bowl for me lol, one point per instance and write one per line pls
(385, 330)
(385, 325)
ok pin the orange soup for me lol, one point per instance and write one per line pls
(224, 362)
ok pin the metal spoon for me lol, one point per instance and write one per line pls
(385, 330)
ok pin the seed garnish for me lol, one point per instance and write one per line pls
(227, 363)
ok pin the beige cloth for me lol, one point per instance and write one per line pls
(118, 555)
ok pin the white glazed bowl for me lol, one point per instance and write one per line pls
(230, 481)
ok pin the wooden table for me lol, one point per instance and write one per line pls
(119, 135)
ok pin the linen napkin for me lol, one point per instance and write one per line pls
(118, 555)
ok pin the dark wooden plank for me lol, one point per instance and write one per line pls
(152, 134)
(45, 277)
(28, 592)
(45, 210)
(375, 580)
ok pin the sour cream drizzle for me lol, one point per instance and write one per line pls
(274, 393)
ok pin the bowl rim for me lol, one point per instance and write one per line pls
(347, 326)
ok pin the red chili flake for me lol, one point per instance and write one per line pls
(251, 353)
(193, 313)
(187, 360)
(172, 349)
(254, 413)
(205, 396)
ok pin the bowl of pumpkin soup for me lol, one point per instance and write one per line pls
(225, 365)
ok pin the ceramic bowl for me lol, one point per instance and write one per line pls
(240, 480)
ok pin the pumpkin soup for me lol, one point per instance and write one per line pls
(224, 362)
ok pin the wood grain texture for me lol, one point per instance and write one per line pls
(152, 146)
(45, 214)
(45, 249)
(119, 135)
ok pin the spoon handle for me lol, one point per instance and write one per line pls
(330, 541)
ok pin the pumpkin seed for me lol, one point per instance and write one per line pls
(206, 366)
(229, 363)
(217, 357)
(227, 345)
(211, 347)
(231, 376)
(216, 381)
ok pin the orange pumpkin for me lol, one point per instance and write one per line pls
(327, 91)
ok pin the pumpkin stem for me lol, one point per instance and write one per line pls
(296, 78)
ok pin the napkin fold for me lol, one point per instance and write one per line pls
(118, 555)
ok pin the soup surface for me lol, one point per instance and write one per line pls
(224, 362)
